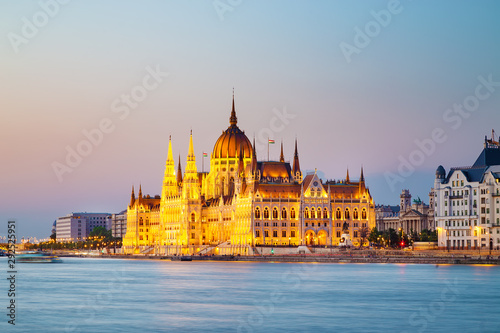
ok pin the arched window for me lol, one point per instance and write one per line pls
(313, 193)
(355, 214)
(292, 213)
(266, 213)
(275, 213)
(140, 221)
(338, 214)
(325, 213)
(347, 215)
(283, 213)
(363, 214)
(193, 217)
(306, 213)
(313, 213)
(257, 212)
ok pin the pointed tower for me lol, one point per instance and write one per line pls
(362, 187)
(190, 182)
(132, 197)
(139, 197)
(347, 177)
(179, 172)
(232, 119)
(254, 161)
(169, 188)
(297, 174)
(282, 157)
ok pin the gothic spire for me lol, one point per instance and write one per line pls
(179, 172)
(190, 156)
(347, 176)
(132, 197)
(282, 157)
(233, 120)
(140, 191)
(296, 165)
(362, 177)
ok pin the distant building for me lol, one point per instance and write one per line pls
(411, 217)
(468, 202)
(77, 226)
(119, 224)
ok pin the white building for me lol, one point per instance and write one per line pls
(119, 224)
(77, 226)
(467, 202)
(408, 216)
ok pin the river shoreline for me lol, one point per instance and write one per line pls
(442, 259)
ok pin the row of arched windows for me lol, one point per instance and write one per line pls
(315, 214)
(347, 214)
(284, 213)
(310, 213)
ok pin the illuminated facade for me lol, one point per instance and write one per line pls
(467, 202)
(242, 203)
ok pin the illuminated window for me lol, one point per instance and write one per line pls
(355, 214)
(266, 233)
(283, 213)
(325, 213)
(292, 233)
(283, 233)
(363, 214)
(193, 217)
(275, 233)
(338, 214)
(306, 213)
(313, 213)
(257, 212)
(257, 233)
(275, 213)
(338, 234)
(347, 214)
(292, 213)
(266, 213)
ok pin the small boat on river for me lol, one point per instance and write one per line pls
(36, 257)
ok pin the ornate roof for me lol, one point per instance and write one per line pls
(232, 140)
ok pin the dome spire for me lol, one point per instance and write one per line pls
(233, 120)
(282, 157)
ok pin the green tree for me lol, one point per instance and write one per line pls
(363, 235)
(374, 234)
(101, 232)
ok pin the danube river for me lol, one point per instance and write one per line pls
(116, 295)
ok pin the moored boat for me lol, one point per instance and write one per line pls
(36, 257)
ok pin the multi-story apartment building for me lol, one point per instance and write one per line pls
(467, 202)
(77, 226)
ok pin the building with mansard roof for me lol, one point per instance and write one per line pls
(243, 203)
(467, 202)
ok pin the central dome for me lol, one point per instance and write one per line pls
(229, 143)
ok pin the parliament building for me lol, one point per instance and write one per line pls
(242, 204)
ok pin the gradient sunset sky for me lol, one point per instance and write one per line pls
(366, 109)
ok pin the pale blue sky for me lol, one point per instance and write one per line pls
(277, 54)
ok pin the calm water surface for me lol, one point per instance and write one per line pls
(107, 295)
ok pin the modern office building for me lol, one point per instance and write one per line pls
(77, 226)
